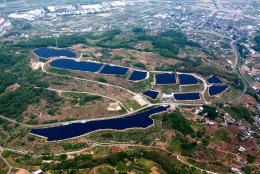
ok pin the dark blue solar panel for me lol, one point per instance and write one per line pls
(113, 69)
(214, 79)
(74, 65)
(138, 75)
(187, 79)
(151, 94)
(165, 78)
(217, 89)
(140, 119)
(51, 52)
(187, 96)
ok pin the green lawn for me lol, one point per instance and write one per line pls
(146, 163)
(122, 167)
(105, 170)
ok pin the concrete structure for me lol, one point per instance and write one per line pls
(166, 98)
(241, 149)
(114, 107)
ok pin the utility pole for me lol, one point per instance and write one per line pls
(56, 41)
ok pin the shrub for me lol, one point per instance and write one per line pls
(6, 153)
(177, 121)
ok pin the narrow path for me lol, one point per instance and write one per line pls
(205, 86)
(106, 145)
(105, 165)
(94, 81)
(16, 122)
(84, 120)
(80, 92)
(233, 47)
(236, 64)
(5, 161)
(237, 70)
(82, 79)
(133, 93)
(202, 170)
(143, 146)
(68, 122)
(93, 119)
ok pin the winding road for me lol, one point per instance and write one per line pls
(205, 86)
(126, 144)
(236, 63)
(174, 105)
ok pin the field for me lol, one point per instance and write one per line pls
(73, 107)
(133, 159)
(93, 87)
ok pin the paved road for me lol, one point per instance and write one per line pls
(234, 49)
(84, 120)
(29, 126)
(237, 69)
(205, 86)
(236, 65)
(82, 79)
(98, 144)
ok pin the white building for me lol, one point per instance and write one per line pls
(236, 170)
(241, 149)
(117, 3)
(30, 15)
(4, 24)
(2, 20)
(38, 172)
(51, 9)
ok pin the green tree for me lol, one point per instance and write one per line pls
(175, 120)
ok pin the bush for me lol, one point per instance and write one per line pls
(250, 158)
(210, 111)
(15, 68)
(257, 43)
(138, 30)
(63, 41)
(13, 104)
(177, 121)
(170, 166)
(63, 157)
(241, 112)
(102, 79)
(116, 158)
(247, 170)
(31, 138)
(6, 153)
(165, 68)
(139, 65)
(206, 141)
(223, 136)
(68, 146)
(88, 98)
